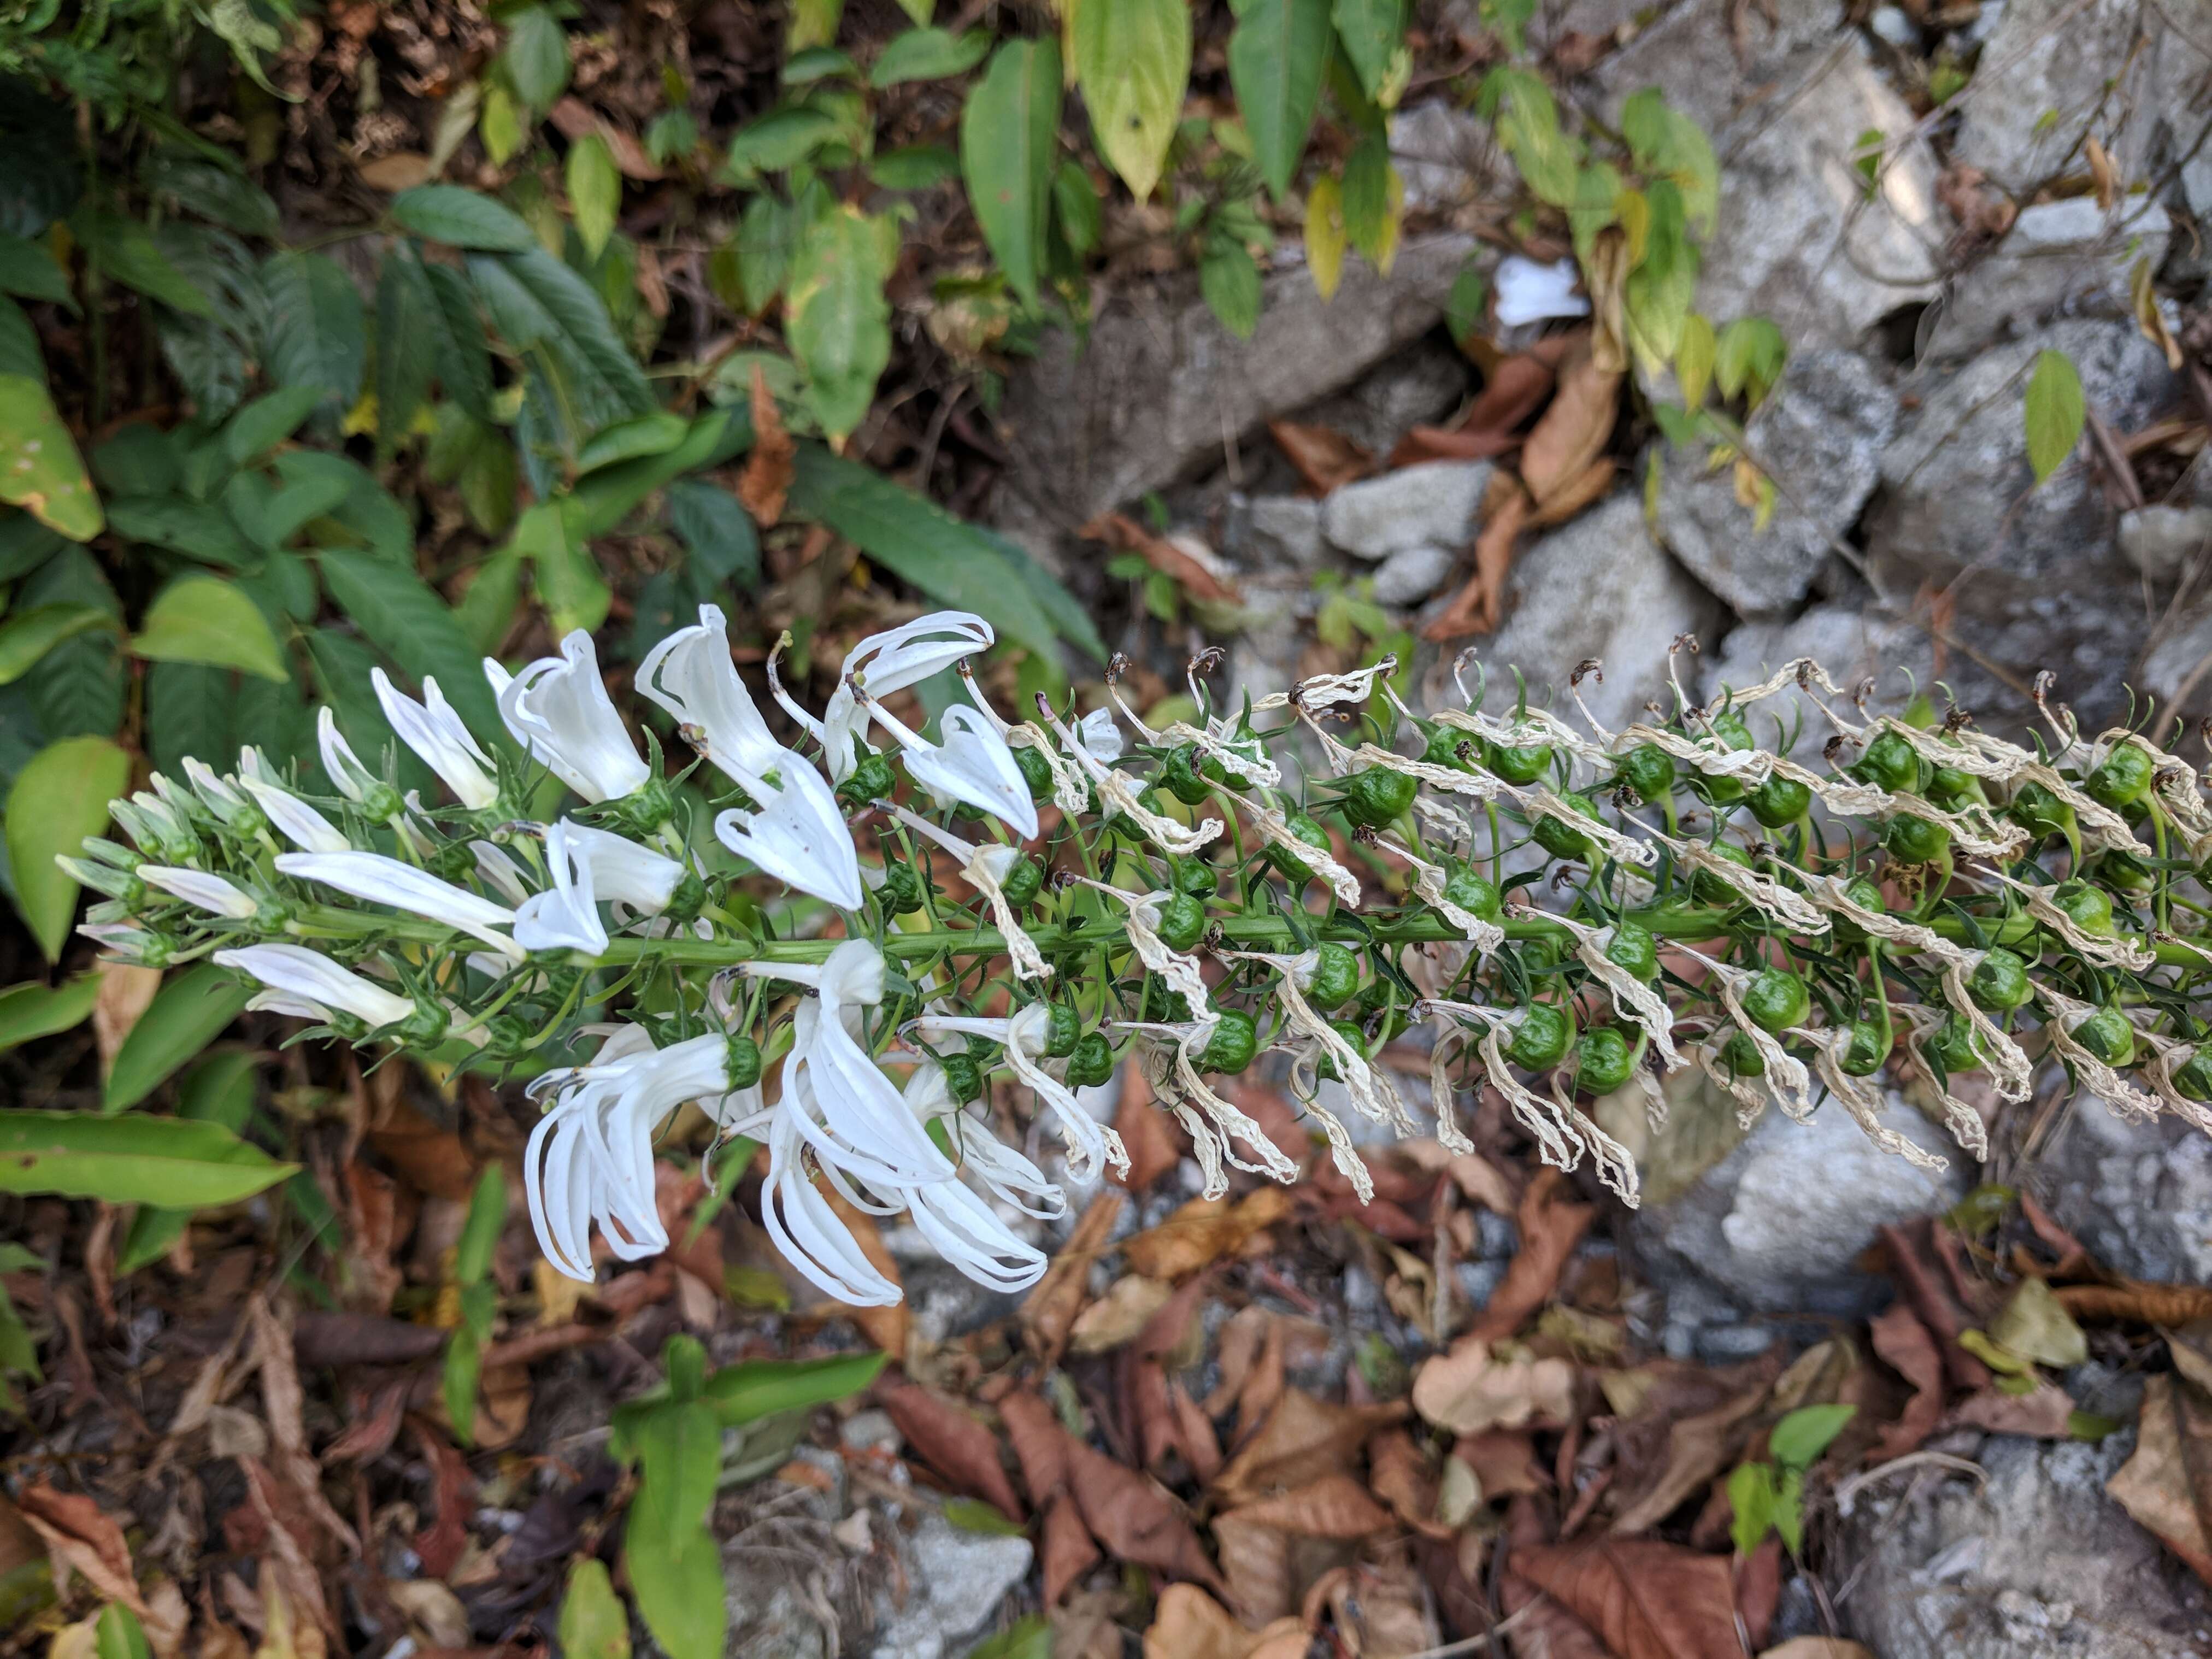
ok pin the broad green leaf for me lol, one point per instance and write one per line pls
(584, 325)
(28, 270)
(1133, 62)
(719, 534)
(919, 542)
(594, 191)
(928, 54)
(464, 354)
(118, 1635)
(409, 330)
(215, 190)
(480, 1232)
(1276, 58)
(537, 57)
(27, 635)
(1077, 210)
(20, 354)
(913, 166)
(200, 619)
(318, 328)
(199, 529)
(675, 1563)
(1009, 130)
(2055, 412)
(648, 434)
(79, 688)
(123, 248)
(1229, 282)
(605, 498)
(755, 1388)
(40, 470)
(1749, 357)
(1527, 119)
(219, 1090)
(1325, 237)
(1790, 1509)
(1751, 1498)
(131, 1160)
(570, 581)
(813, 24)
(463, 218)
(59, 798)
(1027, 1638)
(812, 64)
(189, 1013)
(1374, 201)
(269, 512)
(778, 141)
(410, 625)
(920, 10)
(1374, 36)
(840, 321)
(487, 609)
(1695, 354)
(33, 1010)
(500, 121)
(594, 1624)
(265, 422)
(1802, 1435)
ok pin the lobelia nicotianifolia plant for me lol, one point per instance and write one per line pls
(1570, 912)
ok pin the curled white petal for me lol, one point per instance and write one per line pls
(557, 708)
(435, 734)
(1528, 292)
(309, 983)
(690, 675)
(380, 880)
(299, 823)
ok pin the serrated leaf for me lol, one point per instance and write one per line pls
(1133, 62)
(464, 354)
(78, 689)
(1325, 237)
(189, 711)
(840, 321)
(487, 609)
(125, 249)
(131, 1160)
(40, 470)
(462, 218)
(30, 272)
(200, 529)
(189, 1013)
(594, 1624)
(319, 329)
(409, 324)
(928, 54)
(2054, 412)
(213, 192)
(583, 325)
(59, 798)
(1276, 59)
(266, 421)
(594, 191)
(537, 56)
(410, 625)
(1009, 134)
(201, 620)
(718, 533)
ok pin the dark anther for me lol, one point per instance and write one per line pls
(1957, 720)
(1209, 660)
(1589, 667)
(1216, 936)
(1835, 747)
(1117, 665)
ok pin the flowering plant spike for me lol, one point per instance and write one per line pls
(1560, 913)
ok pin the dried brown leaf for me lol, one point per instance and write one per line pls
(1200, 1446)
(1303, 1439)
(1818, 1647)
(575, 118)
(2133, 1302)
(1200, 574)
(951, 1441)
(346, 1339)
(1188, 1624)
(1699, 1447)
(126, 991)
(1468, 1389)
(1334, 1506)
(1203, 1232)
(81, 1536)
(1401, 1478)
(1067, 1549)
(1116, 1317)
(1135, 1517)
(1551, 1224)
(2166, 1485)
(1575, 427)
(1904, 1343)
(2044, 1412)
(1049, 1310)
(887, 1328)
(1039, 1441)
(1473, 609)
(1643, 1598)
(1323, 456)
(766, 480)
(1147, 1136)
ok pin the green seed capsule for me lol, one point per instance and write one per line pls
(1301, 827)
(1865, 893)
(1183, 922)
(1335, 978)
(2125, 871)
(2107, 1034)
(871, 779)
(1634, 948)
(1871, 1042)
(1326, 1066)
(1776, 999)
(2000, 982)
(1649, 770)
(1778, 802)
(1232, 1045)
(1024, 880)
(1740, 1057)
(2122, 780)
(1560, 838)
(1542, 1038)
(1709, 889)
(1213, 768)
(1950, 786)
(1911, 839)
(743, 1058)
(1092, 1062)
(2089, 908)
(1890, 763)
(2039, 810)
(1180, 774)
(1604, 1060)
(1374, 999)
(1475, 894)
(2192, 1079)
(963, 1079)
(1378, 797)
(1035, 771)
(1518, 765)
(902, 892)
(1063, 1030)
(1730, 728)
(1957, 1045)
(1194, 877)
(1443, 747)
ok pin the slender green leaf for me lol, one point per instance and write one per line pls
(487, 609)
(410, 625)
(1009, 133)
(189, 1013)
(914, 166)
(744, 1393)
(1374, 201)
(28, 270)
(1076, 207)
(648, 434)
(1133, 62)
(604, 498)
(33, 1010)
(40, 470)
(219, 1090)
(1027, 1638)
(57, 799)
(927, 54)
(131, 1160)
(118, 1635)
(199, 619)
(1276, 58)
(27, 635)
(594, 191)
(2055, 412)
(462, 218)
(20, 353)
(480, 1232)
(464, 354)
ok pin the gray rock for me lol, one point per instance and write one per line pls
(955, 1581)
(2177, 668)
(1728, 1344)
(771, 1616)
(1433, 503)
(1852, 644)
(2048, 588)
(1161, 387)
(1446, 155)
(1892, 26)
(1597, 586)
(1418, 385)
(1820, 436)
(871, 1430)
(2139, 1195)
(1286, 529)
(2163, 541)
(2068, 256)
(1798, 239)
(1410, 575)
(2039, 1562)
(1777, 1224)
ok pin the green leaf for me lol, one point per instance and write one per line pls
(2034, 1324)
(1374, 36)
(33, 1010)
(1801, 1436)
(1751, 1496)
(973, 1515)
(594, 191)
(719, 534)
(131, 1160)
(487, 609)
(317, 329)
(1463, 308)
(2054, 412)
(928, 54)
(840, 321)
(593, 1623)
(1076, 207)
(480, 1232)
(1229, 282)
(19, 344)
(605, 498)
(1695, 355)
(409, 329)
(778, 141)
(125, 249)
(27, 635)
(648, 434)
(920, 543)
(216, 190)
(1133, 62)
(189, 1013)
(410, 625)
(462, 218)
(1009, 130)
(40, 470)
(1028, 1637)
(200, 619)
(464, 354)
(1749, 357)
(570, 581)
(199, 529)
(537, 57)
(755, 1388)
(59, 798)
(79, 688)
(1374, 201)
(265, 422)
(583, 323)
(1276, 58)
(1527, 127)
(1790, 1509)
(118, 1635)
(29, 271)
(219, 1090)
(914, 166)
(675, 1563)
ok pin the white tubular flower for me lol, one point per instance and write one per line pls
(590, 1159)
(435, 733)
(558, 708)
(354, 780)
(221, 794)
(1005, 1173)
(972, 764)
(309, 984)
(1090, 1145)
(1100, 738)
(566, 916)
(985, 868)
(624, 872)
(379, 880)
(497, 870)
(882, 666)
(300, 825)
(797, 835)
(198, 887)
(803, 1226)
(690, 675)
(1528, 292)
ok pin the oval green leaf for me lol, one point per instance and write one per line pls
(1276, 58)
(1133, 62)
(188, 1013)
(1008, 136)
(31, 1011)
(29, 634)
(59, 798)
(168, 1161)
(200, 619)
(40, 470)
(2055, 412)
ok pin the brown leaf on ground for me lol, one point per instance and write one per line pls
(1468, 1389)
(2166, 1486)
(1235, 1351)
(1378, 1608)
(81, 1537)
(369, 1431)
(1323, 456)
(1148, 1135)
(290, 1582)
(1473, 609)
(1401, 1478)
(347, 1340)
(2132, 1301)
(1201, 1447)
(432, 1159)
(20, 1543)
(1699, 1447)
(1902, 1342)
(1516, 388)
(2043, 1413)
(1576, 494)
(1503, 1462)
(1116, 1317)
(1551, 1224)
(1203, 1232)
(1543, 1629)
(441, 1544)
(1916, 1263)
(1201, 576)
(1135, 1517)
(1262, 1567)
(1575, 427)
(951, 1442)
(282, 1403)
(1039, 1441)
(2072, 1255)
(1334, 1506)
(1188, 1624)
(1067, 1549)
(1758, 1588)
(1049, 1310)
(766, 480)
(1303, 1439)
(1479, 1180)
(886, 1328)
(1643, 1598)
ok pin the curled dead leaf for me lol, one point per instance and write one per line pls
(951, 1441)
(1192, 564)
(1203, 1232)
(1470, 1389)
(1303, 1439)
(1643, 1598)
(1323, 457)
(81, 1537)
(766, 480)
(1049, 1310)
(1118, 1315)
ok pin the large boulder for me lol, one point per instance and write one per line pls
(2069, 257)
(2139, 1195)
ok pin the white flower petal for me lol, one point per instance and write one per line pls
(690, 675)
(380, 880)
(797, 836)
(197, 887)
(435, 734)
(294, 971)
(557, 708)
(299, 823)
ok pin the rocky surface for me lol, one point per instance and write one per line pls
(2139, 1195)
(1433, 504)
(954, 1582)
(2068, 256)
